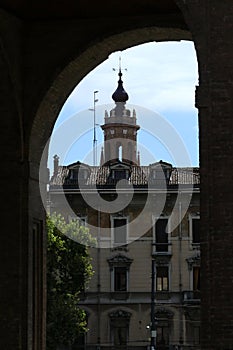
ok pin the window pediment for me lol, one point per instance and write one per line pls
(120, 314)
(79, 171)
(163, 313)
(160, 171)
(193, 260)
(120, 171)
(120, 260)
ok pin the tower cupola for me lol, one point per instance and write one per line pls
(120, 129)
(120, 95)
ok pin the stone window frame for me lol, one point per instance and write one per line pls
(193, 216)
(122, 261)
(193, 261)
(154, 220)
(168, 277)
(164, 318)
(119, 217)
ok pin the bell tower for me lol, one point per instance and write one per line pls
(120, 129)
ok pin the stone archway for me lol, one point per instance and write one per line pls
(53, 102)
(37, 55)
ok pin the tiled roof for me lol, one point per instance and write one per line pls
(140, 176)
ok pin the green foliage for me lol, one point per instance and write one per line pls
(68, 271)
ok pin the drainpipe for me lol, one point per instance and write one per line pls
(181, 338)
(153, 324)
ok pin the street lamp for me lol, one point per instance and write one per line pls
(94, 129)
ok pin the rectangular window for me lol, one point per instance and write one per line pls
(120, 230)
(161, 235)
(120, 279)
(120, 174)
(196, 230)
(162, 278)
(196, 278)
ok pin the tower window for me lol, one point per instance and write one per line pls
(120, 153)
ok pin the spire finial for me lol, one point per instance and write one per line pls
(120, 73)
(120, 95)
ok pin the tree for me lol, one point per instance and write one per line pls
(68, 271)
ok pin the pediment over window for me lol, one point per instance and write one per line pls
(79, 171)
(120, 166)
(162, 259)
(120, 260)
(194, 260)
(160, 171)
(119, 171)
(163, 313)
(119, 314)
(192, 314)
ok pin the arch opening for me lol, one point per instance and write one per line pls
(35, 150)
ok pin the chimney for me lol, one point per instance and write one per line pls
(102, 157)
(55, 165)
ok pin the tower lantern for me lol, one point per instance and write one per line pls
(120, 129)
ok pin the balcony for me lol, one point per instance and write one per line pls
(161, 249)
(192, 296)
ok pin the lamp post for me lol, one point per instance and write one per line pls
(94, 131)
(153, 323)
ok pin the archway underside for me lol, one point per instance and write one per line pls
(45, 53)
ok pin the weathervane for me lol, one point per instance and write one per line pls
(119, 66)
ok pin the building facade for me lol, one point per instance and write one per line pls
(145, 291)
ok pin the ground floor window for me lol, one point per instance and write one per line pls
(119, 328)
(162, 339)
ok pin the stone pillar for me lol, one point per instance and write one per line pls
(214, 100)
(22, 273)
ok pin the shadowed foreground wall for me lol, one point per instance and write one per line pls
(45, 50)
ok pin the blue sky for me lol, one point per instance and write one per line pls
(160, 80)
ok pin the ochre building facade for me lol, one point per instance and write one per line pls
(146, 223)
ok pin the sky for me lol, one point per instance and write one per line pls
(160, 79)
